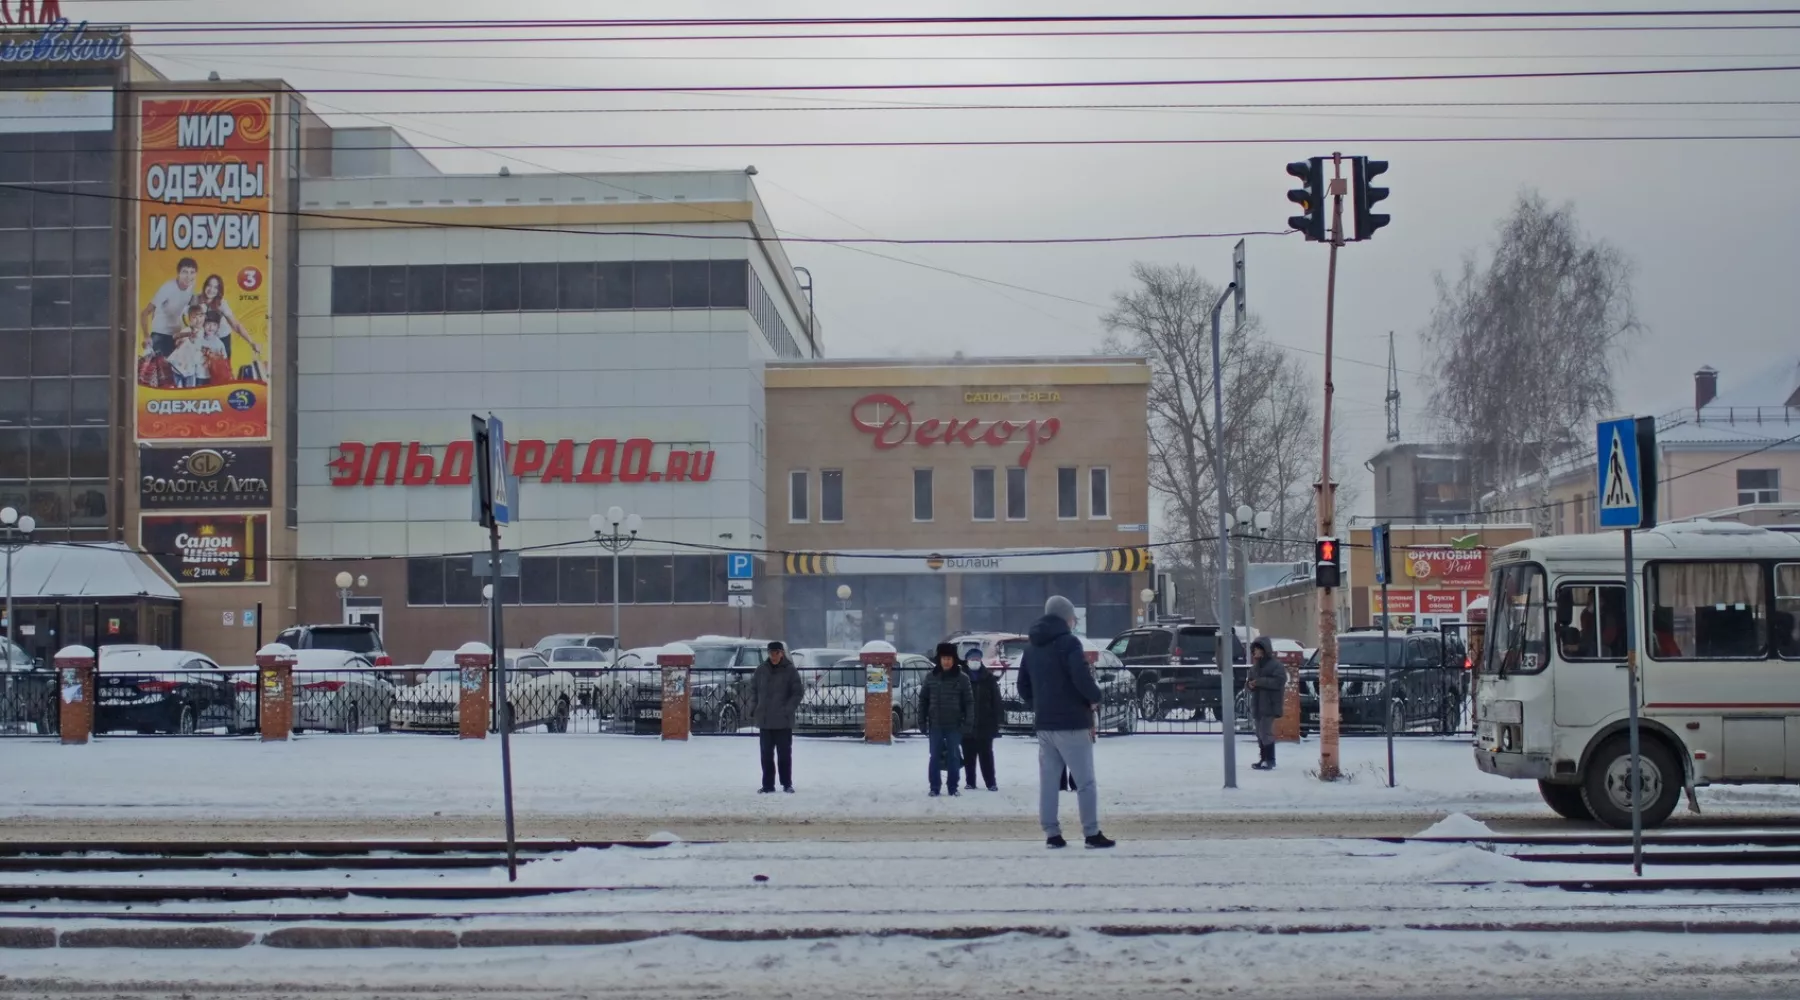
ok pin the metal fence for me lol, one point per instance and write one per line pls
(1139, 699)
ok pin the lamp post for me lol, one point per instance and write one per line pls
(1248, 520)
(15, 531)
(615, 531)
(344, 583)
(1148, 597)
(843, 596)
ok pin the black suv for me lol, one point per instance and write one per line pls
(358, 638)
(1426, 670)
(1173, 668)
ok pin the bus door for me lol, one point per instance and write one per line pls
(1588, 634)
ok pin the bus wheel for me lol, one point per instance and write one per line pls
(1565, 800)
(1606, 788)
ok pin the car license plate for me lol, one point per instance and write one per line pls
(649, 713)
(1018, 718)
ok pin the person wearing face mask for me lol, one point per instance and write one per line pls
(978, 745)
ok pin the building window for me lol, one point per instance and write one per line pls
(922, 495)
(982, 488)
(1068, 493)
(1561, 526)
(1100, 494)
(527, 287)
(1015, 494)
(831, 496)
(1579, 519)
(1758, 486)
(797, 496)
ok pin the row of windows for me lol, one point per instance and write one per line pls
(54, 452)
(543, 287)
(983, 494)
(1699, 611)
(54, 303)
(648, 579)
(1581, 515)
(53, 252)
(79, 206)
(53, 402)
(55, 352)
(58, 158)
(768, 319)
(58, 504)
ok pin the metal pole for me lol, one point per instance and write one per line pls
(505, 709)
(1328, 650)
(259, 624)
(1244, 561)
(1387, 674)
(1225, 648)
(614, 547)
(9, 600)
(1631, 674)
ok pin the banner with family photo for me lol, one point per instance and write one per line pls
(201, 321)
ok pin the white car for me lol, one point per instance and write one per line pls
(1118, 705)
(340, 692)
(536, 695)
(609, 645)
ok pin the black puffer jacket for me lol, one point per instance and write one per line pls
(1268, 690)
(989, 708)
(946, 701)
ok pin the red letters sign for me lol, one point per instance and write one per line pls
(604, 460)
(30, 11)
(891, 421)
(1447, 567)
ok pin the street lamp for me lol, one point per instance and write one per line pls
(1148, 597)
(615, 531)
(15, 531)
(1250, 523)
(344, 582)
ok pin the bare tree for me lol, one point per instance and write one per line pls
(1270, 435)
(1524, 348)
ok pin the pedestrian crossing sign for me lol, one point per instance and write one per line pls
(1625, 464)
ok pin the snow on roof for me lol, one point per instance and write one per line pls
(56, 569)
(1772, 386)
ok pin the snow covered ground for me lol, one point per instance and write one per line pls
(621, 776)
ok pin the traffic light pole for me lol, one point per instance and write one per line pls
(1329, 769)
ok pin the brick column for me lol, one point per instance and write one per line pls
(878, 659)
(473, 702)
(275, 691)
(677, 663)
(1287, 728)
(75, 694)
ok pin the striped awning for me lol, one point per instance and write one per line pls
(1136, 559)
(810, 564)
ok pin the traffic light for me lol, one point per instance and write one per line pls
(1310, 198)
(1363, 197)
(1326, 570)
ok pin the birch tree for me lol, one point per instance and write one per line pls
(1525, 346)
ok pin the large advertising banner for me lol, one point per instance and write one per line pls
(208, 548)
(202, 310)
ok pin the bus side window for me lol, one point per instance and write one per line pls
(1784, 624)
(1590, 622)
(1708, 611)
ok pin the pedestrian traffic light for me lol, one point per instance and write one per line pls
(1310, 198)
(1363, 197)
(1326, 571)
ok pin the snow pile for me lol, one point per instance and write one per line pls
(1464, 863)
(591, 868)
(1457, 825)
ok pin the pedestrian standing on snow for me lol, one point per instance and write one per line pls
(947, 708)
(1268, 698)
(775, 693)
(978, 746)
(1057, 683)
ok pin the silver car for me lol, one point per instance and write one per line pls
(339, 692)
(835, 702)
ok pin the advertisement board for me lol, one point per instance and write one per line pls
(199, 549)
(187, 478)
(201, 320)
(1446, 567)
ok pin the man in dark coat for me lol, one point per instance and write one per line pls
(1057, 683)
(947, 711)
(978, 746)
(1268, 698)
(775, 693)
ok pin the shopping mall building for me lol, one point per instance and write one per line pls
(239, 350)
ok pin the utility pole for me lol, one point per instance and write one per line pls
(1329, 769)
(1393, 394)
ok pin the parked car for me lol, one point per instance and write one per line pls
(536, 696)
(835, 702)
(150, 690)
(28, 699)
(614, 692)
(999, 650)
(607, 644)
(585, 663)
(1427, 674)
(351, 638)
(717, 688)
(815, 663)
(339, 692)
(1118, 705)
(1173, 667)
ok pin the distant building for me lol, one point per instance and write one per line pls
(1422, 484)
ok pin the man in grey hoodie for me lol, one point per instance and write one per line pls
(1056, 682)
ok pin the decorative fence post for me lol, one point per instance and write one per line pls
(473, 703)
(75, 694)
(677, 663)
(878, 660)
(275, 691)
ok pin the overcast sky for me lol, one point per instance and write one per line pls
(1711, 225)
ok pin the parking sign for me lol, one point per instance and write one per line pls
(739, 566)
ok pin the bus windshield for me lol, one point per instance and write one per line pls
(1517, 622)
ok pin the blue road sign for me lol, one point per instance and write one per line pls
(1383, 568)
(739, 566)
(1626, 493)
(501, 502)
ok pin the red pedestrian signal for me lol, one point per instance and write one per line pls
(1327, 572)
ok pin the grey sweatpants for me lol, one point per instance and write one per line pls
(1265, 729)
(1073, 749)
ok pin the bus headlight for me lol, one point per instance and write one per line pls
(1506, 738)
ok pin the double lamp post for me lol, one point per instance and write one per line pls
(15, 531)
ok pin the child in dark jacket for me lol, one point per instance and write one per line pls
(947, 711)
(978, 746)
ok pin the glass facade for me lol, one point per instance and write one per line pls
(539, 287)
(58, 200)
(911, 610)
